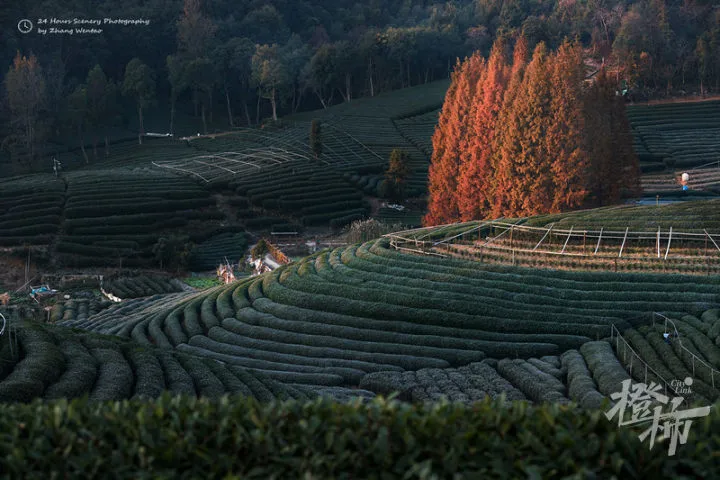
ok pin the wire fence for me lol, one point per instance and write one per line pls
(695, 361)
(628, 353)
(630, 358)
(627, 248)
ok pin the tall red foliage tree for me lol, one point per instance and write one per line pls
(565, 137)
(502, 180)
(474, 184)
(532, 137)
(449, 141)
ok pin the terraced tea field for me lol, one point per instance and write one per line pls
(141, 286)
(370, 318)
(676, 238)
(30, 210)
(681, 136)
(51, 362)
(114, 216)
(377, 125)
(209, 254)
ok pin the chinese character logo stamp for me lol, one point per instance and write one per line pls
(639, 404)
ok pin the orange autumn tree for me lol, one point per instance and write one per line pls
(502, 181)
(525, 160)
(476, 170)
(565, 137)
(528, 138)
(450, 140)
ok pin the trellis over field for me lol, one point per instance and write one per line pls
(212, 166)
(251, 149)
(505, 242)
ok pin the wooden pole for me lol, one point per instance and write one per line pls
(706, 245)
(568, 239)
(624, 239)
(711, 239)
(543, 238)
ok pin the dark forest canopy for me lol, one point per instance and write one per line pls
(245, 61)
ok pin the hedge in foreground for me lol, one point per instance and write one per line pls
(183, 437)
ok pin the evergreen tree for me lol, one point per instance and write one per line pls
(599, 145)
(315, 138)
(626, 166)
(26, 95)
(139, 84)
(397, 174)
(98, 90)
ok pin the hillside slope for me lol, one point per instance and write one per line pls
(368, 316)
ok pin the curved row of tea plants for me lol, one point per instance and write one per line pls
(114, 217)
(337, 316)
(30, 209)
(209, 254)
(50, 363)
(140, 286)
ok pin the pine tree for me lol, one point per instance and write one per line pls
(315, 138)
(397, 174)
(598, 140)
(627, 166)
(613, 164)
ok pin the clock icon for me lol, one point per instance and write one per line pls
(25, 26)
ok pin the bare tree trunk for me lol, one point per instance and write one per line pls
(172, 115)
(210, 107)
(372, 85)
(348, 85)
(107, 146)
(229, 108)
(141, 130)
(204, 122)
(82, 145)
(247, 113)
(274, 105)
(257, 109)
(322, 101)
(296, 106)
